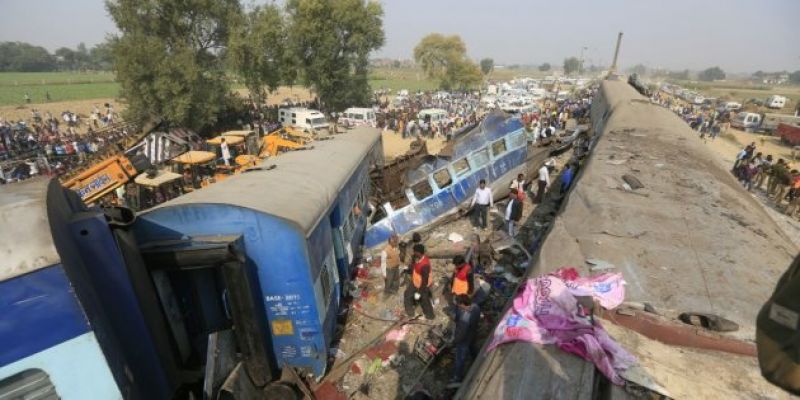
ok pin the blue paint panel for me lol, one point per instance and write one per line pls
(279, 251)
(37, 311)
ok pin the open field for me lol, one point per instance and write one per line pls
(62, 86)
(78, 86)
(743, 91)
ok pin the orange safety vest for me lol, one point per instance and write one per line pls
(416, 275)
(460, 280)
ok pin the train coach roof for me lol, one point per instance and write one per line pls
(25, 240)
(300, 189)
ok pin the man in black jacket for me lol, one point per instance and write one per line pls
(467, 317)
(513, 212)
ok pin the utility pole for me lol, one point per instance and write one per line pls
(580, 70)
(613, 69)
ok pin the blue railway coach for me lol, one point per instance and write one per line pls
(48, 348)
(297, 227)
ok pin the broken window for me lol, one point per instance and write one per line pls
(498, 147)
(378, 214)
(399, 202)
(422, 189)
(442, 178)
(516, 140)
(480, 158)
(461, 167)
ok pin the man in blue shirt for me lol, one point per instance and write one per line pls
(468, 316)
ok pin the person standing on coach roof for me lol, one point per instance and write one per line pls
(482, 200)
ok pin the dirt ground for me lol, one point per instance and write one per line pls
(394, 144)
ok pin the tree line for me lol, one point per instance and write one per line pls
(25, 57)
(174, 58)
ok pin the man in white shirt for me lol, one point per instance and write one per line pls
(544, 183)
(482, 200)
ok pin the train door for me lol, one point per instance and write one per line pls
(206, 289)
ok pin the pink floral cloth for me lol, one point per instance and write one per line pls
(546, 311)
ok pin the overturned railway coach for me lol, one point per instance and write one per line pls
(140, 306)
(496, 150)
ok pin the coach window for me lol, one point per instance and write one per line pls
(499, 147)
(461, 167)
(479, 158)
(422, 189)
(516, 140)
(28, 384)
(442, 178)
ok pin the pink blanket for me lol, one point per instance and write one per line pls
(546, 311)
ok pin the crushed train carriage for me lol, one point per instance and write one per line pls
(436, 186)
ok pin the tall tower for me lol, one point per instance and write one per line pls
(613, 69)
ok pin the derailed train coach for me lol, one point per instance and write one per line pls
(226, 284)
(496, 150)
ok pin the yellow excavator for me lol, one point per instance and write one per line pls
(284, 139)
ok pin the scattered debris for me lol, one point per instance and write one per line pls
(709, 321)
(455, 237)
(599, 265)
(632, 181)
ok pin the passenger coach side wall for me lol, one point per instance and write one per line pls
(286, 275)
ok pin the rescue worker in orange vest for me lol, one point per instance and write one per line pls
(420, 288)
(463, 280)
(390, 265)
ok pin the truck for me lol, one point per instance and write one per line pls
(789, 134)
(775, 101)
(355, 116)
(766, 123)
(305, 119)
(106, 176)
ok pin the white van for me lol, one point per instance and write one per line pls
(358, 116)
(436, 115)
(775, 101)
(746, 120)
(303, 118)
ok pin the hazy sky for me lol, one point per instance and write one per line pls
(738, 35)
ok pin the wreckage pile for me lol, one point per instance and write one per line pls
(653, 204)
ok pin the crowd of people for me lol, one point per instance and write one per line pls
(403, 116)
(779, 180)
(55, 145)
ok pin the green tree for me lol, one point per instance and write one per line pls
(257, 50)
(168, 58)
(545, 67)
(100, 56)
(330, 40)
(794, 77)
(487, 65)
(444, 58)
(23, 57)
(67, 58)
(571, 65)
(711, 74)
